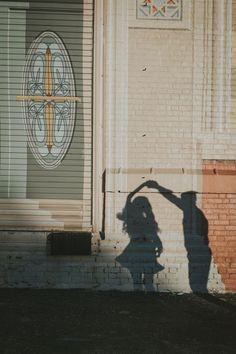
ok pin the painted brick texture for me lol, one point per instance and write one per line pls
(160, 98)
(161, 119)
(220, 209)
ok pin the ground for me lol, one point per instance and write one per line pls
(76, 321)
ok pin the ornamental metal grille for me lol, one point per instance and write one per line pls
(48, 99)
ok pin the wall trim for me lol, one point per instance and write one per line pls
(115, 97)
(98, 134)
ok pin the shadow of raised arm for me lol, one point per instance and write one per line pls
(167, 193)
(144, 184)
(122, 215)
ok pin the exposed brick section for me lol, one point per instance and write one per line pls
(220, 210)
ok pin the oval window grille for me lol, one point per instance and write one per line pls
(49, 99)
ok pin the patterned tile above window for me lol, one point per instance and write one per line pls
(159, 9)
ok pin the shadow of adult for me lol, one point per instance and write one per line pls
(195, 230)
(140, 255)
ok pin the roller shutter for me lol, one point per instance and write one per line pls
(46, 59)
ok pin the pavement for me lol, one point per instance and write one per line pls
(81, 321)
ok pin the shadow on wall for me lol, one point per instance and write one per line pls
(145, 246)
(140, 255)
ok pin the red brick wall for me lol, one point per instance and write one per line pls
(219, 206)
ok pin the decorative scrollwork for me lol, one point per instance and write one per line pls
(49, 99)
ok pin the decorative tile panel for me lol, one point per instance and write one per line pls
(163, 14)
(159, 9)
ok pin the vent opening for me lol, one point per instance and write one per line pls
(69, 243)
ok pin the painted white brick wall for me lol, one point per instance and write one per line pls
(160, 98)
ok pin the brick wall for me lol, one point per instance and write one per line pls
(154, 129)
(219, 204)
(233, 71)
(160, 98)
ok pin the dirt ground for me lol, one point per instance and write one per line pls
(75, 321)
